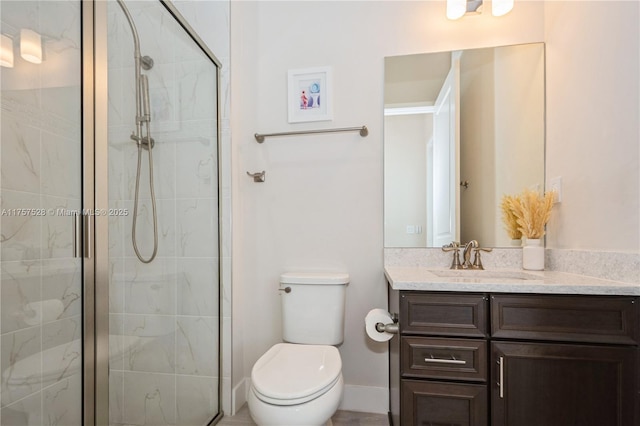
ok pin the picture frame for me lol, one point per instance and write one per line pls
(309, 95)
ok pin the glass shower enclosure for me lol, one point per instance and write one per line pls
(109, 249)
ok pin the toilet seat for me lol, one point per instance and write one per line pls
(290, 374)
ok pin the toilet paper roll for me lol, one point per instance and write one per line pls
(377, 316)
(46, 310)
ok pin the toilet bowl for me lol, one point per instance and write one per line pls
(299, 383)
(296, 385)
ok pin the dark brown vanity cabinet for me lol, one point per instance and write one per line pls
(515, 360)
(442, 363)
(564, 360)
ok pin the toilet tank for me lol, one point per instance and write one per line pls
(313, 311)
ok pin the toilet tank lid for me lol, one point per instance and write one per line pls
(314, 278)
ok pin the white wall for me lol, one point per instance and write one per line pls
(502, 126)
(592, 123)
(521, 106)
(321, 205)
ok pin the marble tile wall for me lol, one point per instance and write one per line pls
(164, 316)
(40, 281)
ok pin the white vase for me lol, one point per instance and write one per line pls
(533, 255)
(516, 242)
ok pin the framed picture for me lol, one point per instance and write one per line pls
(310, 95)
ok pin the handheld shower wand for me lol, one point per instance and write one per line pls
(144, 89)
(143, 118)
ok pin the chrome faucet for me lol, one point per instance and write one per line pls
(471, 246)
(466, 254)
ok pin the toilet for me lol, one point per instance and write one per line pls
(299, 383)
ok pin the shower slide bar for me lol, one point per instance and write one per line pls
(363, 132)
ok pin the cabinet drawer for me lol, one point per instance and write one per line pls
(433, 403)
(566, 318)
(438, 358)
(443, 314)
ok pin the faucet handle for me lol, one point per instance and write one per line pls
(453, 245)
(477, 261)
(455, 248)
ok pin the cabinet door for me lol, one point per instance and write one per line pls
(558, 385)
(443, 404)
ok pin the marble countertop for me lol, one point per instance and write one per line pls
(503, 281)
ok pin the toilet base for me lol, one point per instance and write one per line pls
(316, 412)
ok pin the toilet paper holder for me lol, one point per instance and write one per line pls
(392, 328)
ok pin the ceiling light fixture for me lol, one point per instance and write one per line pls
(458, 8)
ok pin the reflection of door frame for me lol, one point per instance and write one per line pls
(448, 102)
(429, 177)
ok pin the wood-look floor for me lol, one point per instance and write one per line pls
(341, 418)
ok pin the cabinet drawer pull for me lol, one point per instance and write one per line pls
(453, 360)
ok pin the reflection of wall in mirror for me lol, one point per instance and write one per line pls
(502, 124)
(406, 178)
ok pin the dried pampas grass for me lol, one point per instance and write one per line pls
(509, 218)
(531, 211)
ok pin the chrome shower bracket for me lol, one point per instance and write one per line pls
(144, 141)
(257, 177)
(146, 62)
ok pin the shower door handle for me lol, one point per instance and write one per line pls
(81, 238)
(76, 227)
(87, 235)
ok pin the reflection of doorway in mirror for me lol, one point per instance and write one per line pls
(445, 161)
(421, 169)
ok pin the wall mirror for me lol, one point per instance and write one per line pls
(461, 129)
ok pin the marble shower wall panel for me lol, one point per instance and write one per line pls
(40, 169)
(164, 315)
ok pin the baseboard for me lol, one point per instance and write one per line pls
(239, 395)
(365, 399)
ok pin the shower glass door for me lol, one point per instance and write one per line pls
(41, 285)
(163, 307)
(84, 316)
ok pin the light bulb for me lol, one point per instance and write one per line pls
(30, 46)
(456, 8)
(501, 7)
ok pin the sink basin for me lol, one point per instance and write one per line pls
(484, 274)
